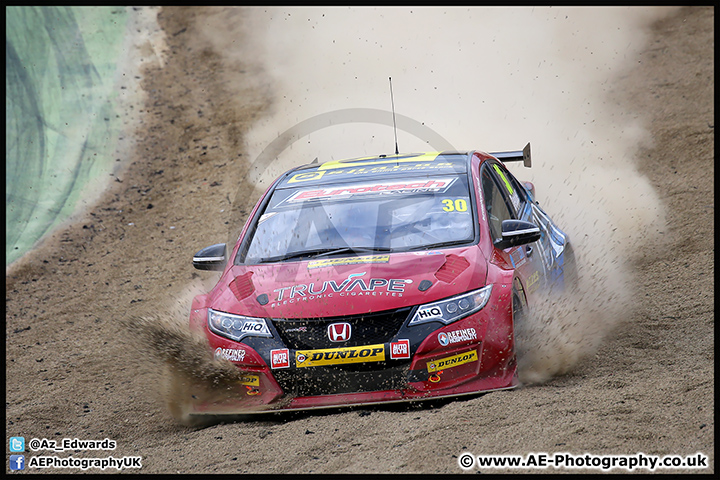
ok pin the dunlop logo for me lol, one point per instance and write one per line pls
(250, 380)
(454, 361)
(304, 177)
(334, 262)
(338, 356)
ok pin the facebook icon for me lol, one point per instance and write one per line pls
(17, 462)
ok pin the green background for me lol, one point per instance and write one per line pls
(61, 121)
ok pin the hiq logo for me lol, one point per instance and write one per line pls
(430, 312)
(17, 444)
(17, 462)
(255, 327)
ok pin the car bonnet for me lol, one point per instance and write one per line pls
(335, 286)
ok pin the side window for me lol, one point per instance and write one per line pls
(511, 188)
(496, 203)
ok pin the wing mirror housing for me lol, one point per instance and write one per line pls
(213, 257)
(517, 232)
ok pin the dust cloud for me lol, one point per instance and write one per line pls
(483, 78)
(188, 377)
(187, 374)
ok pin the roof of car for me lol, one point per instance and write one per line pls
(381, 166)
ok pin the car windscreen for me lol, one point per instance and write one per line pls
(390, 215)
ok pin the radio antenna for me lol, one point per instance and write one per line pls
(392, 101)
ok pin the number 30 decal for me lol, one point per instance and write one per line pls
(459, 205)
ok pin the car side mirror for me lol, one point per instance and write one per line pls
(211, 258)
(517, 232)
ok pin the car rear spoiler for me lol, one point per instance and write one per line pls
(515, 156)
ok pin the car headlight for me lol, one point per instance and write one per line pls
(453, 308)
(237, 327)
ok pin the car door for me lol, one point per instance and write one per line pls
(506, 199)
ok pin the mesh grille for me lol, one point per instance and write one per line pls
(367, 329)
(333, 380)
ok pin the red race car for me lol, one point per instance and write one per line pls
(380, 279)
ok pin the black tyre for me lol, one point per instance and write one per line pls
(518, 306)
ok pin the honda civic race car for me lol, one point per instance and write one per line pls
(380, 279)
